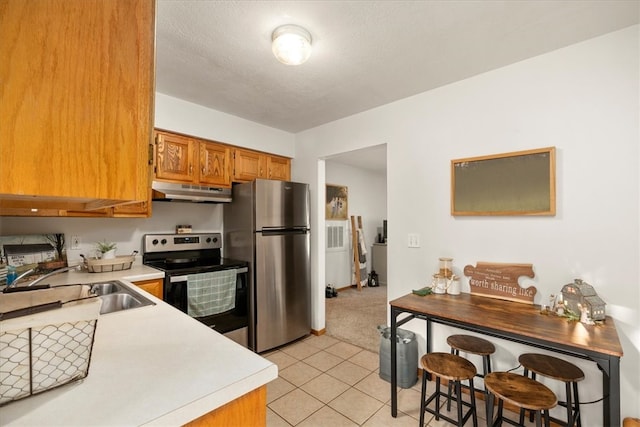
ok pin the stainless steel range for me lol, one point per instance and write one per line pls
(200, 282)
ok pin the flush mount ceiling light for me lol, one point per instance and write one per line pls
(291, 44)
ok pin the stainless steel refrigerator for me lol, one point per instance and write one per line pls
(267, 224)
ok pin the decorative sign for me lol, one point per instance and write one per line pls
(497, 280)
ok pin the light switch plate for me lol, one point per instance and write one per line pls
(414, 240)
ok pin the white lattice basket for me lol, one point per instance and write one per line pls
(49, 343)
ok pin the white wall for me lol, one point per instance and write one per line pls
(126, 232)
(368, 199)
(584, 100)
(191, 119)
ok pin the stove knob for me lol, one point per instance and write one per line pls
(163, 241)
(154, 242)
(208, 239)
(215, 240)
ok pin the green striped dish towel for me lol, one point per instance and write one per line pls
(211, 293)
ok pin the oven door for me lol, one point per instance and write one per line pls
(233, 323)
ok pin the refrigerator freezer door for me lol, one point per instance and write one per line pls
(280, 204)
(282, 288)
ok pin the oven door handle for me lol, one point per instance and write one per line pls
(174, 279)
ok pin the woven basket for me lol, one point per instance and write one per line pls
(123, 262)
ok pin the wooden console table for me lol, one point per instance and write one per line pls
(517, 322)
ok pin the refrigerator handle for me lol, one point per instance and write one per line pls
(266, 231)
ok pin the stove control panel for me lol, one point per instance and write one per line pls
(181, 242)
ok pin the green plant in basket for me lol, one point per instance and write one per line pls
(104, 246)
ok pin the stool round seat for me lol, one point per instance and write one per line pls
(448, 366)
(520, 391)
(561, 370)
(471, 344)
(551, 367)
(454, 369)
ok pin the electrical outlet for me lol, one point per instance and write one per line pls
(414, 240)
(75, 242)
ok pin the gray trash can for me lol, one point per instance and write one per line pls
(407, 356)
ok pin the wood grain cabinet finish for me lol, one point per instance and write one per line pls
(175, 157)
(249, 165)
(279, 168)
(153, 286)
(76, 102)
(247, 410)
(180, 158)
(214, 162)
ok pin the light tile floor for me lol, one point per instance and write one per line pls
(326, 382)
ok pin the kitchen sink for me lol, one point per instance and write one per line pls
(105, 288)
(117, 297)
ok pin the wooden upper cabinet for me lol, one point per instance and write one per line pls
(76, 102)
(250, 165)
(278, 168)
(175, 157)
(180, 158)
(214, 164)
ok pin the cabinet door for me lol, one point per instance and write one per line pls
(175, 157)
(279, 168)
(214, 164)
(248, 165)
(140, 209)
(153, 286)
(77, 90)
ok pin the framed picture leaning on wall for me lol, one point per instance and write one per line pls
(336, 202)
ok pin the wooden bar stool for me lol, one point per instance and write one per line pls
(472, 345)
(454, 369)
(561, 370)
(520, 391)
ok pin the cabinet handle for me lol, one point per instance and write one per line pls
(190, 169)
(202, 170)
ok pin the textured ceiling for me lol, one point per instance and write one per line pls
(366, 53)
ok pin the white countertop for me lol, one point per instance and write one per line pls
(151, 365)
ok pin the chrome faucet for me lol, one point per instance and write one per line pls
(41, 278)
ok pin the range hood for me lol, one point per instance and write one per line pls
(168, 191)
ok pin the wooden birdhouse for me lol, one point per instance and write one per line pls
(578, 295)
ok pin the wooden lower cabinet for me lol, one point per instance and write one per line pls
(153, 286)
(247, 410)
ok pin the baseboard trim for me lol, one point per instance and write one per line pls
(318, 333)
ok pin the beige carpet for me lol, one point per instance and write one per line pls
(353, 316)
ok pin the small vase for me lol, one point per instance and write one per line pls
(109, 254)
